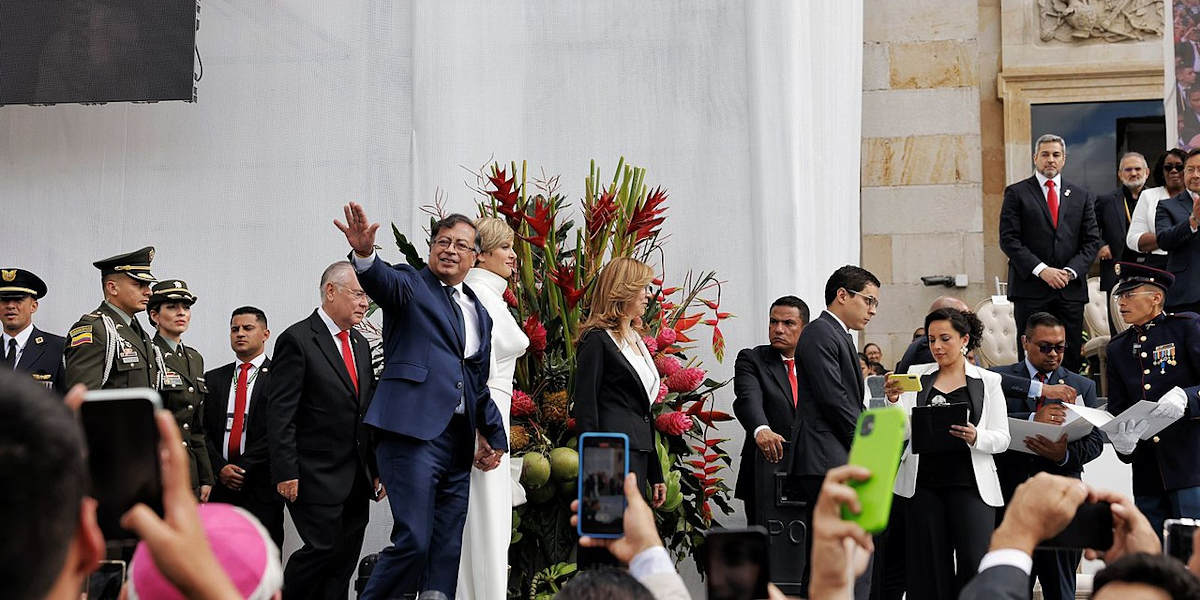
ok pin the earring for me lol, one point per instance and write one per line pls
(963, 349)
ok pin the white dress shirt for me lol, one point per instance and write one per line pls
(334, 330)
(1058, 191)
(252, 375)
(22, 338)
(1142, 220)
(639, 358)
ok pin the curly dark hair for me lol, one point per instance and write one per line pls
(964, 322)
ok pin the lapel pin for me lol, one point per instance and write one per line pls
(37, 340)
(1067, 192)
(264, 369)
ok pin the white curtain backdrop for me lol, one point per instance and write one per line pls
(748, 113)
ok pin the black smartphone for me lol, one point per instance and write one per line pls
(735, 561)
(603, 463)
(1177, 538)
(122, 443)
(105, 582)
(1092, 528)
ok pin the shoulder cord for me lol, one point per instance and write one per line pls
(110, 346)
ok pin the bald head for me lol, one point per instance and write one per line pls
(948, 302)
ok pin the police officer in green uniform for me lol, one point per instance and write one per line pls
(182, 381)
(1157, 359)
(108, 347)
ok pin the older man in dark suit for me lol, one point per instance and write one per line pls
(321, 458)
(433, 405)
(1176, 223)
(1048, 231)
(830, 390)
(1044, 340)
(1113, 215)
(764, 387)
(235, 423)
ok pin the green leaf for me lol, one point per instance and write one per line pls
(411, 256)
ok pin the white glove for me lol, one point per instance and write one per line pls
(1171, 405)
(1127, 435)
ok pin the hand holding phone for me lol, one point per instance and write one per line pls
(641, 531)
(907, 382)
(878, 444)
(603, 464)
(122, 441)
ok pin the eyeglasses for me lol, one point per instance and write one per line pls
(1173, 167)
(460, 246)
(1131, 293)
(872, 301)
(356, 294)
(1048, 348)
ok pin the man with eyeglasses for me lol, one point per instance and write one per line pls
(1113, 214)
(432, 409)
(1045, 342)
(1176, 221)
(1048, 231)
(829, 390)
(1157, 359)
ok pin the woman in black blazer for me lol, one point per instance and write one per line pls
(616, 381)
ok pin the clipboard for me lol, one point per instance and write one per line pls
(931, 428)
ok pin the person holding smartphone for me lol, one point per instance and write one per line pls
(616, 382)
(182, 380)
(952, 495)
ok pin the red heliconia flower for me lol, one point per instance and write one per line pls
(710, 304)
(656, 281)
(536, 332)
(522, 404)
(651, 343)
(667, 365)
(645, 220)
(541, 221)
(668, 305)
(724, 315)
(710, 322)
(686, 380)
(564, 277)
(673, 423)
(669, 291)
(598, 216)
(506, 196)
(663, 390)
(571, 424)
(706, 510)
(666, 338)
(510, 298)
(718, 343)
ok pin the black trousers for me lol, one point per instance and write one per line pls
(887, 580)
(332, 536)
(948, 533)
(1056, 570)
(268, 512)
(1070, 312)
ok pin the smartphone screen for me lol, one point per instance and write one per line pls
(735, 561)
(1177, 538)
(1090, 528)
(122, 442)
(603, 463)
(105, 582)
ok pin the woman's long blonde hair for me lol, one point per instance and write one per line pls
(620, 282)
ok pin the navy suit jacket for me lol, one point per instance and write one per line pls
(42, 358)
(1113, 219)
(762, 396)
(1027, 237)
(424, 374)
(1176, 237)
(830, 397)
(1014, 466)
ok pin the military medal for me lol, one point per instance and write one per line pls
(128, 354)
(172, 379)
(1164, 355)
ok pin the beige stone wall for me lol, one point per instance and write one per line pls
(923, 175)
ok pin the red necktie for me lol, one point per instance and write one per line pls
(789, 364)
(1041, 400)
(348, 357)
(1052, 202)
(239, 413)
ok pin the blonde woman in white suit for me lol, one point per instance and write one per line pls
(952, 495)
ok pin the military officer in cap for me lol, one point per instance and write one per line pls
(108, 347)
(22, 346)
(182, 379)
(1157, 359)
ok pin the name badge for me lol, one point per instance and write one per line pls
(127, 353)
(172, 379)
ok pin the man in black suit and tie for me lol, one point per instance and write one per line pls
(1176, 223)
(1113, 214)
(1048, 230)
(1044, 340)
(830, 390)
(321, 457)
(765, 387)
(24, 347)
(236, 405)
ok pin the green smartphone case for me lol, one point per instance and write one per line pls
(878, 444)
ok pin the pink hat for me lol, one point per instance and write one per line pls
(242, 546)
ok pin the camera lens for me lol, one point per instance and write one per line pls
(868, 424)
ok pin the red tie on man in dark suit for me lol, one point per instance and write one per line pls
(239, 413)
(348, 357)
(1052, 202)
(790, 365)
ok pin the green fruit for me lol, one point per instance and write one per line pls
(569, 488)
(539, 495)
(564, 464)
(535, 471)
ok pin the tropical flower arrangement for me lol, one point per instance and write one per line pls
(557, 261)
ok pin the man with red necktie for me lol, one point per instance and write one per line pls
(322, 459)
(764, 386)
(1049, 232)
(236, 406)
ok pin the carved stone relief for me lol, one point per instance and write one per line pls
(1107, 20)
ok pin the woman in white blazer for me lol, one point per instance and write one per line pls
(483, 562)
(952, 495)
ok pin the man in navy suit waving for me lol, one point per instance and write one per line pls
(1048, 231)
(432, 406)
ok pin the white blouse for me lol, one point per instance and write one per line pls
(639, 358)
(1143, 217)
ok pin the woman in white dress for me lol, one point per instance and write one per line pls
(483, 566)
